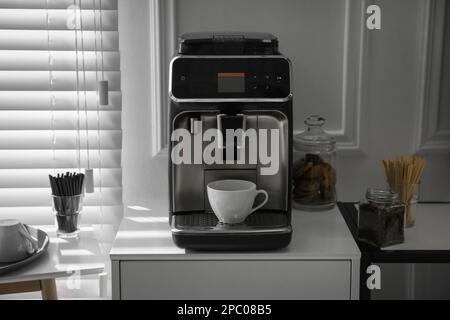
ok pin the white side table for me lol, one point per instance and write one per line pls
(63, 259)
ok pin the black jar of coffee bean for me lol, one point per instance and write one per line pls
(381, 218)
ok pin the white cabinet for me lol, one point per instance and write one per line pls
(322, 262)
(235, 279)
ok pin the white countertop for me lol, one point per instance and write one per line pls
(144, 234)
(63, 258)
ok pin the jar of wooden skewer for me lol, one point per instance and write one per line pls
(403, 175)
(408, 195)
(67, 201)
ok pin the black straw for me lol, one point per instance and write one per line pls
(69, 184)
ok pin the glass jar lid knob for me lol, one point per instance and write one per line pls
(314, 138)
(315, 121)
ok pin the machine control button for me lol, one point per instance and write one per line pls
(183, 78)
(267, 77)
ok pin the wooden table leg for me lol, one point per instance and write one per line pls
(48, 289)
(20, 287)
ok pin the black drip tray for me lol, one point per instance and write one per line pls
(259, 222)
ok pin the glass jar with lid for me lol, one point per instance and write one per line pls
(314, 167)
(381, 218)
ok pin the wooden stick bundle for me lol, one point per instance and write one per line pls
(403, 174)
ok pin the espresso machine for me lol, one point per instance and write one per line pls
(229, 81)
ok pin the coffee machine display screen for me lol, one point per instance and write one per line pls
(231, 82)
(230, 78)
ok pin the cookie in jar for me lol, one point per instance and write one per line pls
(314, 171)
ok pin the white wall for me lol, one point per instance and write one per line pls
(389, 97)
(143, 177)
(312, 34)
(444, 116)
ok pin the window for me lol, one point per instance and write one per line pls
(41, 129)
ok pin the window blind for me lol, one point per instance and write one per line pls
(39, 118)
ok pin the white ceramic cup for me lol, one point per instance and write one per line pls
(232, 200)
(15, 241)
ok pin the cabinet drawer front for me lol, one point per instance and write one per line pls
(235, 279)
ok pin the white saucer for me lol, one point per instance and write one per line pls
(42, 239)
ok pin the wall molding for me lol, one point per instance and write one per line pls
(351, 138)
(162, 30)
(429, 138)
